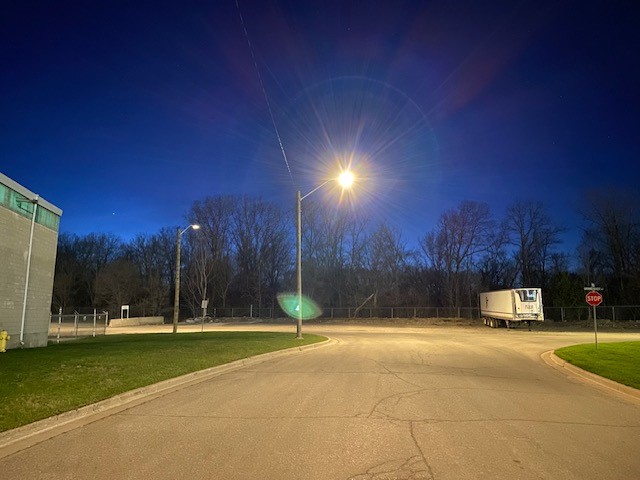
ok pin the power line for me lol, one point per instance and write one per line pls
(264, 91)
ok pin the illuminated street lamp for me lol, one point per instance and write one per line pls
(176, 301)
(345, 179)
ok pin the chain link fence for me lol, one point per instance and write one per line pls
(66, 326)
(614, 313)
(347, 312)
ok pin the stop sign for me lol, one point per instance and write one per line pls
(594, 298)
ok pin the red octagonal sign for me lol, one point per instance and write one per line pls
(594, 298)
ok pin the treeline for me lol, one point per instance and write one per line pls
(244, 254)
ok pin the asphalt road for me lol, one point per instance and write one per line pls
(379, 403)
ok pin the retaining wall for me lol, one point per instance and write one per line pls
(135, 321)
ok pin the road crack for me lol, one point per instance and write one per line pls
(413, 468)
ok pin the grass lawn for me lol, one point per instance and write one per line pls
(616, 361)
(40, 382)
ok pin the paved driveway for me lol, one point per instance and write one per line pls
(380, 403)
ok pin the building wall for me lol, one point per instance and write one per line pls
(14, 249)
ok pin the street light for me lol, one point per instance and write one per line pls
(34, 202)
(176, 300)
(345, 179)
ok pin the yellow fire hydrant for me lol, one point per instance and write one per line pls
(4, 338)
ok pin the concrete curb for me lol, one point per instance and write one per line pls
(628, 393)
(17, 439)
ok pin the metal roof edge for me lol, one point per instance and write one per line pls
(12, 184)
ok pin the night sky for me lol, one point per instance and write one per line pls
(124, 113)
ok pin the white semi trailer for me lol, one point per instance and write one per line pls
(506, 307)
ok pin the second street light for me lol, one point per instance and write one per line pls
(176, 300)
(345, 179)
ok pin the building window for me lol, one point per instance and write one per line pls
(47, 218)
(4, 195)
(21, 205)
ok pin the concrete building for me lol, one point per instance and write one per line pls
(28, 244)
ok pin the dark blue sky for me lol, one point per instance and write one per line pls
(123, 113)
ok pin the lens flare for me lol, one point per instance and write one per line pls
(290, 305)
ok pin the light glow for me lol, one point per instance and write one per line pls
(346, 179)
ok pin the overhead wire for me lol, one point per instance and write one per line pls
(264, 91)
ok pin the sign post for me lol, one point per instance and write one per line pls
(594, 298)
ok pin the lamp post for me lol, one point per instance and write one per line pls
(345, 179)
(176, 300)
(34, 202)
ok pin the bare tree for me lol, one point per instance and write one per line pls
(154, 256)
(92, 253)
(611, 242)
(496, 267)
(453, 247)
(421, 285)
(333, 255)
(276, 261)
(199, 271)
(262, 249)
(215, 215)
(67, 273)
(117, 284)
(357, 282)
(324, 244)
(565, 287)
(533, 235)
(388, 255)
